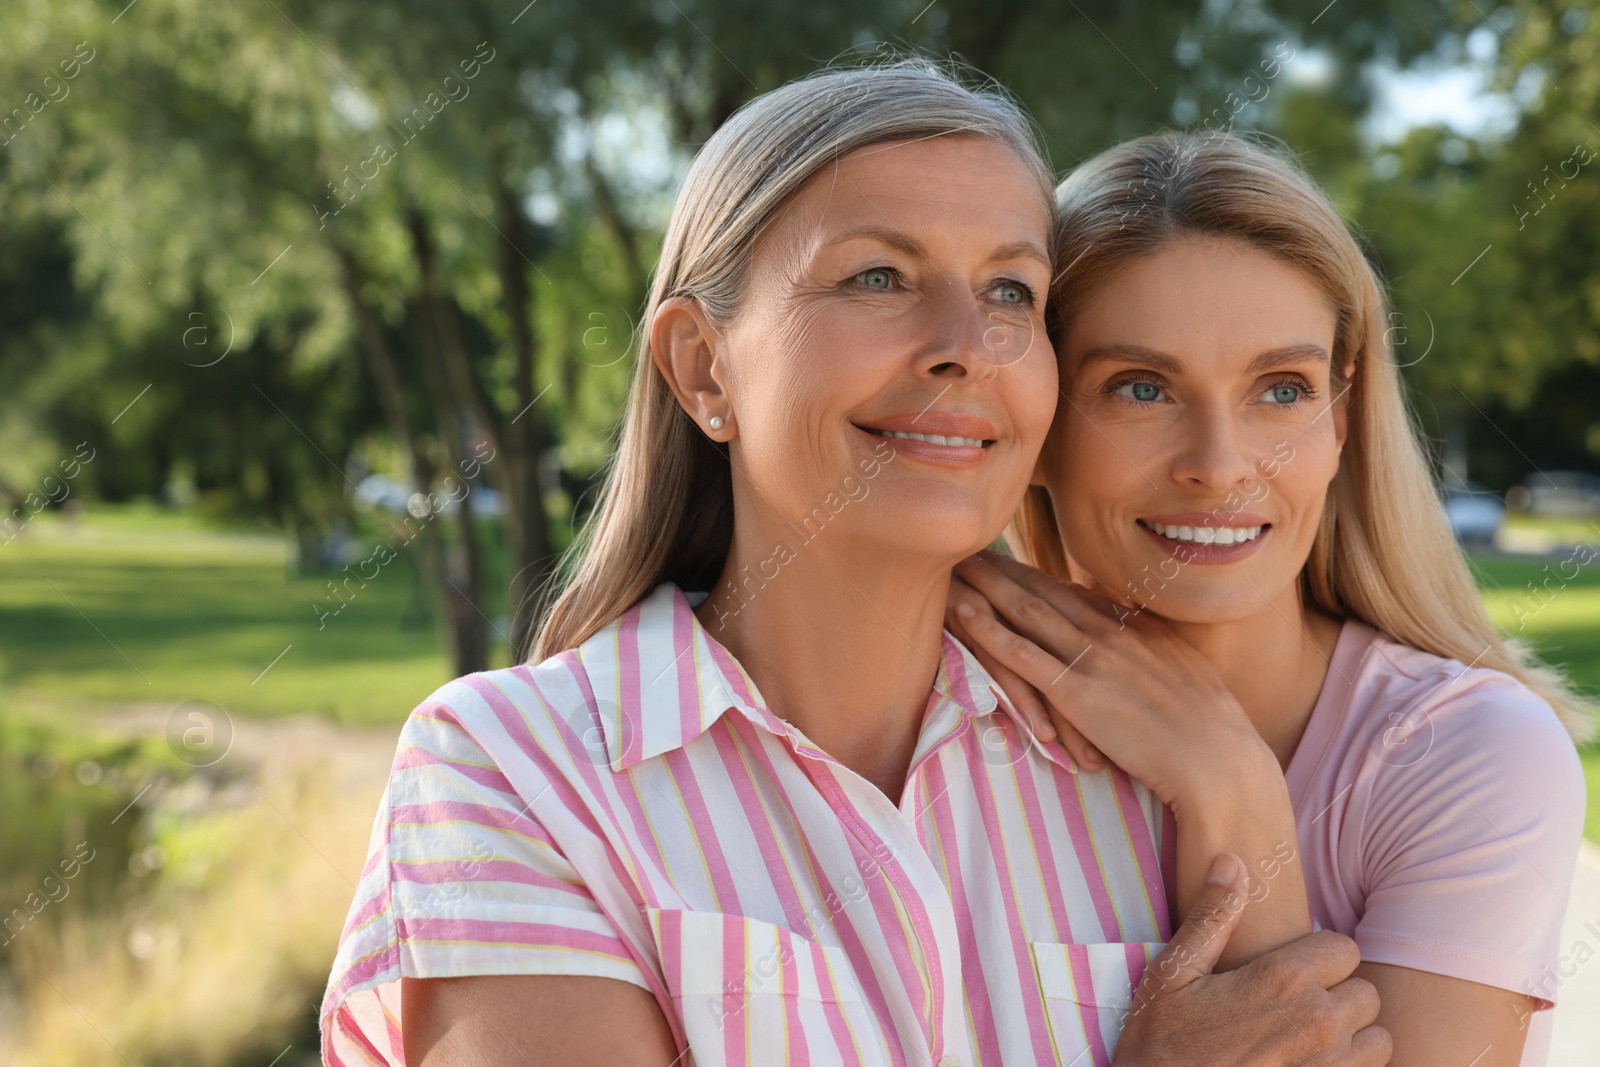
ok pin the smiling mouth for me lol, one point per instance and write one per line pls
(947, 440)
(1206, 535)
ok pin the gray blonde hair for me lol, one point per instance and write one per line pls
(665, 511)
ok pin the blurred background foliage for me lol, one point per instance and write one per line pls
(295, 294)
(318, 241)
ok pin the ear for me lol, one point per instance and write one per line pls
(685, 348)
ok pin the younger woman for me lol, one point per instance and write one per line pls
(1231, 463)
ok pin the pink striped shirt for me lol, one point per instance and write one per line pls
(632, 810)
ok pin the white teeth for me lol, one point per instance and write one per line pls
(1208, 535)
(932, 438)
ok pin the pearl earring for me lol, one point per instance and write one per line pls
(716, 422)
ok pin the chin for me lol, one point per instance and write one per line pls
(1203, 610)
(954, 541)
(1192, 595)
(940, 520)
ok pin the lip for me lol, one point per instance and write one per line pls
(1205, 555)
(959, 457)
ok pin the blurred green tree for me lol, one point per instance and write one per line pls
(297, 236)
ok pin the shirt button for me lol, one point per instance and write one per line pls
(950, 1061)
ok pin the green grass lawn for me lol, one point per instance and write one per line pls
(1557, 614)
(1560, 617)
(137, 605)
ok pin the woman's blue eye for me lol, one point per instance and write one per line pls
(1146, 392)
(877, 278)
(1283, 394)
(1012, 293)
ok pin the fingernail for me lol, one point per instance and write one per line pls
(1224, 870)
(966, 611)
(1093, 754)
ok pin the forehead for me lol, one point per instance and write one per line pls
(1204, 297)
(959, 187)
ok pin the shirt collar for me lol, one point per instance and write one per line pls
(659, 680)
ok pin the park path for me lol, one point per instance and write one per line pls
(351, 763)
(271, 746)
(1575, 1041)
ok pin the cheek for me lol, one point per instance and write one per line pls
(782, 368)
(1090, 469)
(795, 372)
(1302, 479)
(1030, 396)
(836, 351)
(1090, 481)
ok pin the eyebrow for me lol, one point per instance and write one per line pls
(1155, 359)
(1020, 250)
(902, 243)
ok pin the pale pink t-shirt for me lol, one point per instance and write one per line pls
(1439, 809)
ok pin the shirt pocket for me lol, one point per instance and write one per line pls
(752, 992)
(1088, 992)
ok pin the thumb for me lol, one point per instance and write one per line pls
(1199, 942)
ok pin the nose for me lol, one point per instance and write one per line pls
(1215, 453)
(971, 339)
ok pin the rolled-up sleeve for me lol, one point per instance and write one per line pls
(462, 877)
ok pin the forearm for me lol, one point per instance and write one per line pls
(1246, 813)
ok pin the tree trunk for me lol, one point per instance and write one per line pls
(610, 209)
(463, 568)
(431, 546)
(605, 200)
(527, 524)
(385, 370)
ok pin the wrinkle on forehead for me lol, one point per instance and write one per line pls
(834, 176)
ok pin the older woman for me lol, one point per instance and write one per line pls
(753, 804)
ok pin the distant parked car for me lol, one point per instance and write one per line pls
(1557, 493)
(380, 491)
(1475, 514)
(487, 503)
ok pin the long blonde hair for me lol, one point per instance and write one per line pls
(1383, 552)
(666, 506)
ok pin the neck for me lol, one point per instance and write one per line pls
(1275, 663)
(843, 643)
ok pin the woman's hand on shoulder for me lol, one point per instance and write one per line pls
(1109, 681)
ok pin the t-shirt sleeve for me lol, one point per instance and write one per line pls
(463, 877)
(1469, 840)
